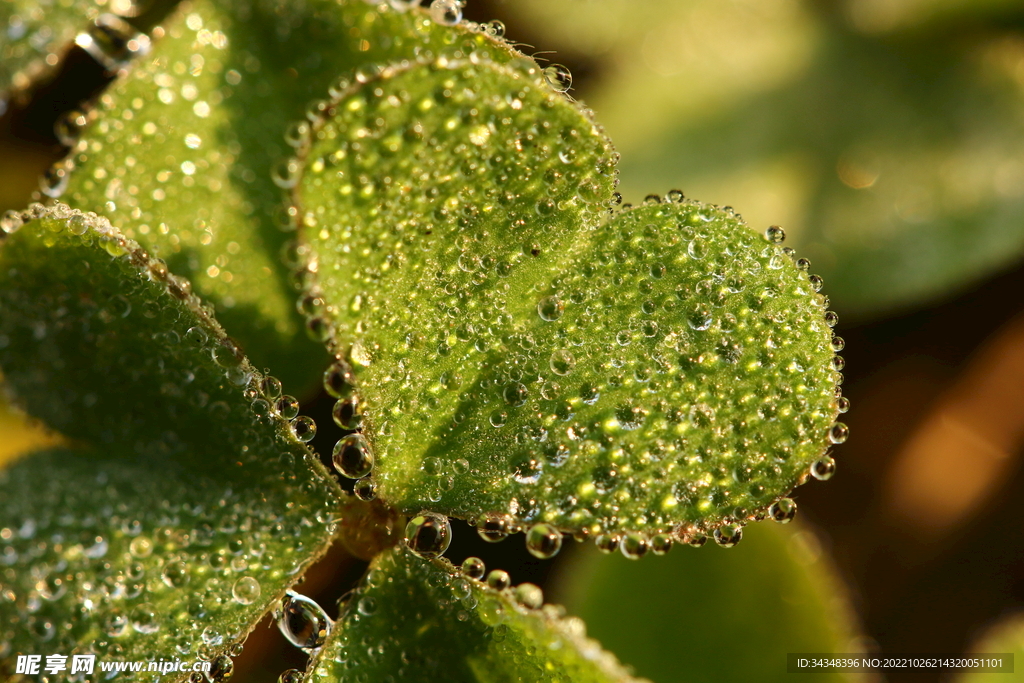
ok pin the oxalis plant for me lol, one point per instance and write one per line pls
(507, 343)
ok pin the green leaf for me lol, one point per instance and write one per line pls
(416, 619)
(772, 595)
(893, 161)
(517, 357)
(183, 152)
(187, 507)
(35, 34)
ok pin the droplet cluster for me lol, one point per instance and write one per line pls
(415, 620)
(662, 371)
(186, 504)
(174, 155)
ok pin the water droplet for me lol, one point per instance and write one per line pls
(226, 353)
(246, 590)
(839, 433)
(529, 596)
(222, 669)
(474, 568)
(831, 318)
(446, 12)
(304, 428)
(838, 344)
(633, 546)
(352, 456)
(823, 469)
(339, 380)
(428, 534)
(676, 196)
(606, 543)
(661, 544)
(270, 387)
(499, 580)
(783, 511)
(697, 249)
(348, 413)
(775, 234)
(291, 676)
(700, 317)
(550, 308)
(145, 619)
(695, 540)
(287, 407)
(842, 404)
(562, 362)
(495, 29)
(494, 528)
(558, 77)
(543, 541)
(728, 535)
(303, 622)
(365, 489)
(176, 574)
(515, 394)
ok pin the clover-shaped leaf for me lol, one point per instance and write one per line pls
(188, 152)
(186, 506)
(516, 356)
(416, 619)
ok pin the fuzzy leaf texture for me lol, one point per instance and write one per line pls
(520, 355)
(428, 621)
(184, 152)
(185, 507)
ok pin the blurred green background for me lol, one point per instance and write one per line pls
(887, 138)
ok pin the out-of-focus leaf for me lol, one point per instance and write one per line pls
(421, 620)
(19, 435)
(1006, 637)
(667, 368)
(716, 616)
(894, 163)
(187, 506)
(184, 151)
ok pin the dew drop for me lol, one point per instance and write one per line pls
(775, 234)
(222, 669)
(515, 394)
(291, 676)
(606, 543)
(823, 469)
(365, 489)
(633, 546)
(271, 387)
(529, 596)
(352, 456)
(446, 12)
(339, 380)
(287, 407)
(562, 362)
(839, 433)
(661, 544)
(428, 534)
(474, 568)
(303, 622)
(558, 77)
(831, 318)
(348, 413)
(696, 540)
(783, 510)
(499, 580)
(246, 590)
(550, 308)
(728, 535)
(494, 529)
(304, 428)
(842, 404)
(543, 541)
